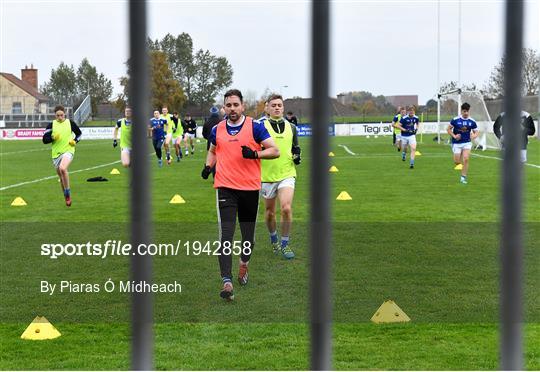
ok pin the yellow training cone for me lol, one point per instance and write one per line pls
(333, 169)
(40, 329)
(417, 153)
(18, 202)
(389, 312)
(177, 199)
(331, 153)
(115, 171)
(344, 195)
(458, 167)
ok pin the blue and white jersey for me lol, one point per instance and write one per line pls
(410, 124)
(260, 133)
(157, 125)
(463, 127)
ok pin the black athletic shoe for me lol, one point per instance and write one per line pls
(227, 292)
(411, 166)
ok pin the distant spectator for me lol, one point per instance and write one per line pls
(211, 122)
(527, 129)
(291, 118)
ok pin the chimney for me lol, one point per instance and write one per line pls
(30, 76)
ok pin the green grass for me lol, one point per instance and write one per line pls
(436, 256)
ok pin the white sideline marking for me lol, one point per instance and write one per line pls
(47, 148)
(23, 151)
(496, 158)
(56, 176)
(347, 149)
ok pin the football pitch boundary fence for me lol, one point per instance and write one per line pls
(511, 298)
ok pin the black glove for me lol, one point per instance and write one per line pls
(414, 131)
(206, 172)
(248, 153)
(174, 130)
(114, 143)
(296, 155)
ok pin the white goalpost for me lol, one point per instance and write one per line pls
(449, 104)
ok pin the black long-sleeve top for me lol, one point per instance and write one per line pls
(527, 126)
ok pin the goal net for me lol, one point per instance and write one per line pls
(450, 106)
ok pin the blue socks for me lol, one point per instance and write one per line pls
(412, 162)
(284, 241)
(273, 237)
(67, 192)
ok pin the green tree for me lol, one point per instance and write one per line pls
(165, 90)
(212, 75)
(89, 81)
(179, 51)
(202, 75)
(62, 86)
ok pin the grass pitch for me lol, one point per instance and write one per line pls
(415, 236)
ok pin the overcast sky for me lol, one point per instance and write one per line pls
(385, 47)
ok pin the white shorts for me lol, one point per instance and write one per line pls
(408, 140)
(189, 135)
(269, 190)
(125, 150)
(457, 148)
(167, 138)
(398, 137)
(177, 140)
(56, 161)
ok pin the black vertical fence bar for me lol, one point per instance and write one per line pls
(141, 266)
(511, 243)
(320, 299)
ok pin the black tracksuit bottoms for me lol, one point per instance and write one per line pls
(230, 204)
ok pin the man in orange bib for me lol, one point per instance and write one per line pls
(236, 146)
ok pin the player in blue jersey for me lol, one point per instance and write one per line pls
(462, 129)
(396, 136)
(157, 130)
(408, 126)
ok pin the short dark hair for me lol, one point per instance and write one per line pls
(234, 92)
(59, 108)
(465, 106)
(175, 113)
(289, 113)
(274, 96)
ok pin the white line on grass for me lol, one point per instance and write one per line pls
(56, 176)
(47, 148)
(496, 158)
(347, 149)
(23, 151)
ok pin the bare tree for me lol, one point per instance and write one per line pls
(495, 85)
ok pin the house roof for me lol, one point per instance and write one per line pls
(25, 86)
